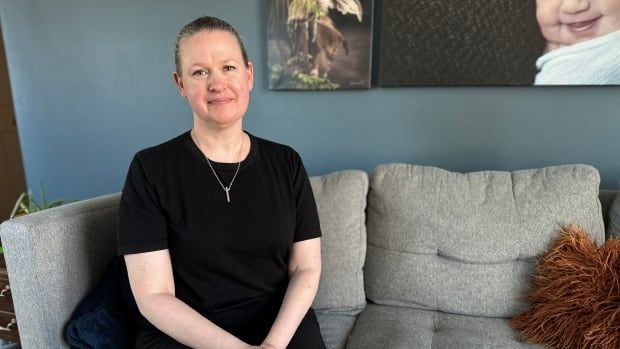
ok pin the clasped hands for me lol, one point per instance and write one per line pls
(264, 346)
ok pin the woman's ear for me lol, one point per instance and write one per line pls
(250, 76)
(178, 81)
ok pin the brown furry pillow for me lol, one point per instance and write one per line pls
(576, 295)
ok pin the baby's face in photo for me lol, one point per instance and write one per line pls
(567, 22)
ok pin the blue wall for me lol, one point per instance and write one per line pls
(92, 84)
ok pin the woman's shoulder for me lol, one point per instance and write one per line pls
(166, 150)
(273, 148)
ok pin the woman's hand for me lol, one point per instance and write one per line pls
(267, 346)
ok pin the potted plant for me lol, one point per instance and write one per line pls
(26, 203)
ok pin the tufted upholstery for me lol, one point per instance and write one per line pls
(392, 327)
(465, 243)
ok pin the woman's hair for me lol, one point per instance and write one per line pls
(209, 24)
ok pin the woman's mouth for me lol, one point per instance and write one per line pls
(583, 27)
(220, 101)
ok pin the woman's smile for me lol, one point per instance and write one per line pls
(219, 101)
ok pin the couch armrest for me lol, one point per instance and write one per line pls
(54, 258)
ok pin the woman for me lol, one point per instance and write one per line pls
(219, 228)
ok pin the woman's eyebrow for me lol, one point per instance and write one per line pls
(202, 64)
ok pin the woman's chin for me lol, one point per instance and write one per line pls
(221, 121)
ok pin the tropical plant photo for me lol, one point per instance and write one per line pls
(319, 44)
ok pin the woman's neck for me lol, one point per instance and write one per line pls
(229, 145)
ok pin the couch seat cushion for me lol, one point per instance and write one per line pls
(380, 326)
(335, 328)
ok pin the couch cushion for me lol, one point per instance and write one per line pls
(608, 198)
(466, 243)
(380, 326)
(335, 328)
(614, 218)
(341, 202)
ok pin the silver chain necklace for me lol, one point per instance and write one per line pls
(226, 188)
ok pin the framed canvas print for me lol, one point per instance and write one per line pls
(499, 42)
(319, 44)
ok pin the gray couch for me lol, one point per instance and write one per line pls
(415, 257)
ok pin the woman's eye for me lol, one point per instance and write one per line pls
(229, 67)
(200, 72)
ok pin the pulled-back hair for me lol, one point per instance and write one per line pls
(209, 24)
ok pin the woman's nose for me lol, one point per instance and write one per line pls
(216, 82)
(574, 6)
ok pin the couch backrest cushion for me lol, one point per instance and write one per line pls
(341, 202)
(614, 218)
(467, 243)
(608, 198)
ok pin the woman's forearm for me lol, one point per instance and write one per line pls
(179, 321)
(300, 293)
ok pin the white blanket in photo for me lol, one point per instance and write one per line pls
(592, 62)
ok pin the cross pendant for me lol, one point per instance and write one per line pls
(227, 190)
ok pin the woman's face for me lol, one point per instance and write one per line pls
(567, 22)
(214, 78)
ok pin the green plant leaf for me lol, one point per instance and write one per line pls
(24, 209)
(57, 203)
(18, 204)
(43, 194)
(33, 205)
(27, 204)
(30, 208)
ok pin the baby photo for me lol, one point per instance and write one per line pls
(583, 42)
(503, 42)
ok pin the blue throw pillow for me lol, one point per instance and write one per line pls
(106, 318)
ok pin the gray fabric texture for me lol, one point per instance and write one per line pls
(335, 328)
(393, 327)
(466, 243)
(341, 202)
(54, 258)
(607, 198)
(613, 228)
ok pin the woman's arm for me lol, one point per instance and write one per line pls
(152, 284)
(304, 273)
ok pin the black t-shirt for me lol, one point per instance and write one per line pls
(224, 254)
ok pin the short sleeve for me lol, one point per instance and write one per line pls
(307, 224)
(142, 224)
